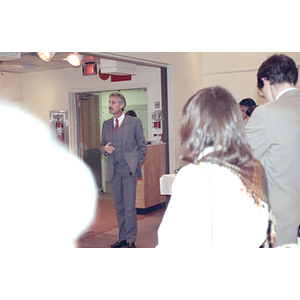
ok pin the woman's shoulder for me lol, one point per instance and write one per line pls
(193, 174)
(191, 168)
(189, 172)
(202, 168)
(208, 172)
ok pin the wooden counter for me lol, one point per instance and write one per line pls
(148, 189)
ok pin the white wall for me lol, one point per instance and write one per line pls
(11, 87)
(236, 71)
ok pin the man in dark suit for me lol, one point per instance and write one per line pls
(124, 143)
(273, 132)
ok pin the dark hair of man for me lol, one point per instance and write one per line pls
(212, 118)
(247, 102)
(250, 110)
(120, 97)
(278, 68)
(131, 113)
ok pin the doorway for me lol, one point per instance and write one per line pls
(89, 133)
(92, 111)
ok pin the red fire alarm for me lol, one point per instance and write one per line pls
(157, 124)
(103, 76)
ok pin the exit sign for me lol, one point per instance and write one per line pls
(89, 69)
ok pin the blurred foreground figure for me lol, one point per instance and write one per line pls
(47, 196)
(219, 199)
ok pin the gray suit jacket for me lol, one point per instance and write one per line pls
(273, 132)
(134, 144)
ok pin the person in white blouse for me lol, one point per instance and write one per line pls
(220, 198)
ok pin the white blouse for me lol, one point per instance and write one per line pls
(232, 217)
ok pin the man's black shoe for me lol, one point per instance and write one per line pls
(131, 245)
(119, 244)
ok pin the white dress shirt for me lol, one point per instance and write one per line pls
(284, 91)
(120, 120)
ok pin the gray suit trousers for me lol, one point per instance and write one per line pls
(123, 188)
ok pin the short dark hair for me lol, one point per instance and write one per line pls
(250, 110)
(278, 68)
(212, 118)
(247, 102)
(131, 113)
(120, 97)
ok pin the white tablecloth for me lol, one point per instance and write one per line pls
(165, 182)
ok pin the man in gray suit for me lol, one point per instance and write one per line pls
(124, 143)
(273, 132)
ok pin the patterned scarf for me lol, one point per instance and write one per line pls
(253, 178)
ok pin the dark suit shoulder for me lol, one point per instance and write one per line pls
(108, 122)
(132, 120)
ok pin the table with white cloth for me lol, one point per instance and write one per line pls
(166, 182)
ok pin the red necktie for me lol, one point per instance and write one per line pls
(117, 126)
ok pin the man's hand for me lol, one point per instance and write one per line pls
(108, 148)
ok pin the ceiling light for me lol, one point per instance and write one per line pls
(74, 59)
(46, 56)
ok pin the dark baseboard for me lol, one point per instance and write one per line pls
(145, 211)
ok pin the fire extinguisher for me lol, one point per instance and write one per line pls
(60, 130)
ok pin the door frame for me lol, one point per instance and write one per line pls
(75, 124)
(166, 92)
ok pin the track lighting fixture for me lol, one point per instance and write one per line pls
(74, 59)
(46, 56)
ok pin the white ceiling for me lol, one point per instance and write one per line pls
(30, 62)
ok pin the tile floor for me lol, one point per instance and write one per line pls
(104, 230)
